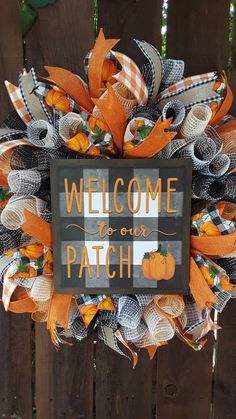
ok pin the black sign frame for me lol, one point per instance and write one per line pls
(59, 165)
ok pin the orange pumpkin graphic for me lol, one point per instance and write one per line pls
(28, 272)
(94, 122)
(32, 251)
(209, 229)
(226, 285)
(48, 262)
(94, 151)
(79, 142)
(58, 100)
(158, 265)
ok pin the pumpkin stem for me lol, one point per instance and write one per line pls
(146, 255)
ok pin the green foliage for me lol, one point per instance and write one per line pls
(28, 13)
(40, 3)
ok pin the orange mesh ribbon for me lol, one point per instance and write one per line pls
(23, 304)
(37, 228)
(72, 85)
(99, 52)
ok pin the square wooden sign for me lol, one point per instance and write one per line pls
(121, 226)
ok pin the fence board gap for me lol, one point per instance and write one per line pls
(198, 34)
(128, 19)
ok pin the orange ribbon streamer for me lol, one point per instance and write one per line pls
(226, 105)
(154, 143)
(201, 292)
(215, 245)
(209, 246)
(59, 309)
(110, 106)
(72, 85)
(37, 228)
(99, 52)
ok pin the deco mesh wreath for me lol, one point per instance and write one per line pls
(130, 112)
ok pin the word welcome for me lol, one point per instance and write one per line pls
(153, 191)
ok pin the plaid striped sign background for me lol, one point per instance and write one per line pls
(66, 233)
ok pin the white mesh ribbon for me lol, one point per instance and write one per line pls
(70, 125)
(24, 182)
(199, 151)
(173, 305)
(218, 166)
(160, 327)
(134, 335)
(41, 315)
(129, 312)
(43, 135)
(12, 215)
(196, 121)
(176, 110)
(42, 288)
(126, 98)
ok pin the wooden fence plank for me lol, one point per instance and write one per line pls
(61, 36)
(64, 379)
(122, 392)
(128, 19)
(15, 330)
(11, 52)
(198, 33)
(224, 400)
(184, 381)
(15, 366)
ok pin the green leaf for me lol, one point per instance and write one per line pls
(145, 131)
(40, 3)
(22, 267)
(27, 17)
(146, 255)
(39, 263)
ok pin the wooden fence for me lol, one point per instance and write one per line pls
(89, 380)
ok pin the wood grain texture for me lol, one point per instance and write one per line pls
(61, 36)
(224, 396)
(122, 392)
(64, 379)
(11, 51)
(184, 381)
(128, 19)
(15, 366)
(198, 33)
(15, 330)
